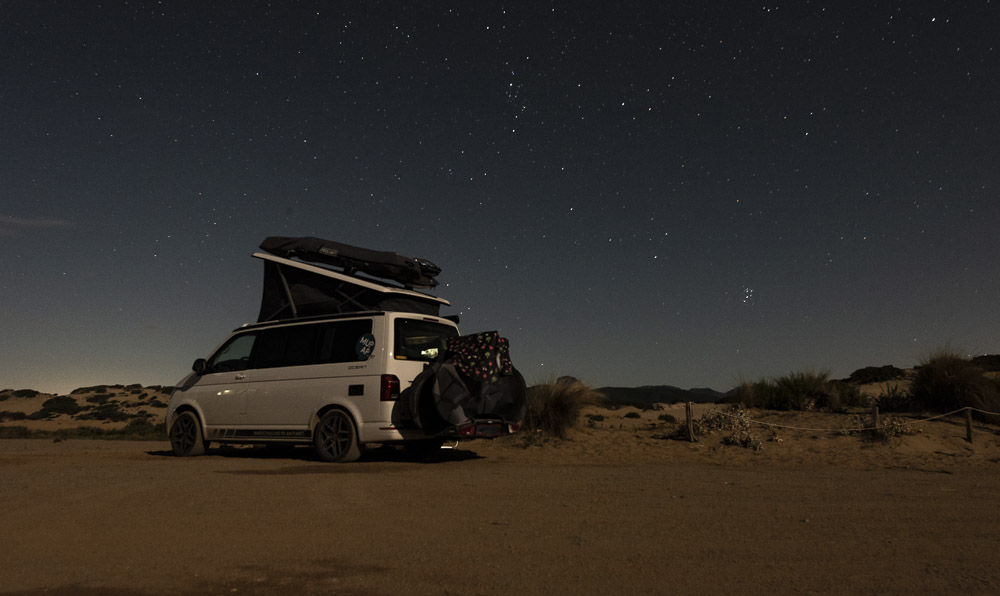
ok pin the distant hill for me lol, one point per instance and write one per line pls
(667, 394)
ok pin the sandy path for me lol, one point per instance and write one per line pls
(95, 517)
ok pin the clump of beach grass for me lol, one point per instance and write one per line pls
(806, 390)
(553, 408)
(945, 380)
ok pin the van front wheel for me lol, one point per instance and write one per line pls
(335, 438)
(185, 436)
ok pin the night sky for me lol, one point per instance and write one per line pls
(686, 193)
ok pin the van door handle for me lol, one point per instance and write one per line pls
(240, 377)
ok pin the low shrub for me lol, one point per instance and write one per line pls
(947, 381)
(805, 391)
(143, 430)
(894, 398)
(137, 430)
(797, 391)
(668, 418)
(734, 419)
(96, 388)
(633, 415)
(849, 395)
(25, 393)
(889, 427)
(5, 415)
(755, 394)
(15, 432)
(553, 408)
(60, 404)
(105, 412)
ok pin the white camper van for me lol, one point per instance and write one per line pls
(332, 380)
(327, 360)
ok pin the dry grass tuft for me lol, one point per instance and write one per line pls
(947, 381)
(554, 407)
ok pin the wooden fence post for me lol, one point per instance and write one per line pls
(875, 419)
(690, 422)
(968, 424)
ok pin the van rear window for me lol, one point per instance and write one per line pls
(421, 340)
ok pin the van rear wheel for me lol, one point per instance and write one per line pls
(335, 438)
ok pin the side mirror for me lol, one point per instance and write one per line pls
(199, 366)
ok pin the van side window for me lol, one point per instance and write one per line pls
(301, 345)
(234, 355)
(341, 340)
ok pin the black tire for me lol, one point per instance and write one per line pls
(335, 438)
(186, 438)
(423, 449)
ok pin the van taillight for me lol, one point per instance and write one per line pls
(389, 390)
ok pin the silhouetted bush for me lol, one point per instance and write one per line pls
(25, 393)
(15, 432)
(5, 416)
(754, 394)
(947, 381)
(894, 398)
(633, 415)
(60, 404)
(97, 388)
(138, 430)
(805, 391)
(104, 412)
(798, 391)
(849, 395)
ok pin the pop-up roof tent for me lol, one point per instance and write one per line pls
(293, 288)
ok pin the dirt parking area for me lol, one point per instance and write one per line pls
(124, 518)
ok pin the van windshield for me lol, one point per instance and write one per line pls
(421, 340)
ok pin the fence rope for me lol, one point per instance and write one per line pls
(922, 420)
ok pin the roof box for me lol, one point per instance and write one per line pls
(410, 272)
(294, 289)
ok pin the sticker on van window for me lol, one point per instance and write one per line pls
(365, 346)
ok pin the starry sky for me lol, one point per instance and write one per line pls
(687, 193)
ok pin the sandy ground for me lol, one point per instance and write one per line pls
(617, 508)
